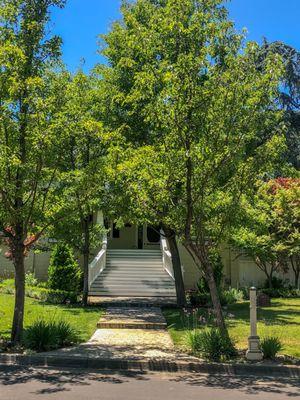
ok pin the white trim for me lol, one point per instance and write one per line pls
(166, 256)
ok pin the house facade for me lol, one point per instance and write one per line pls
(135, 261)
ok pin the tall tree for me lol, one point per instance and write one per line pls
(31, 145)
(289, 94)
(84, 158)
(269, 233)
(181, 87)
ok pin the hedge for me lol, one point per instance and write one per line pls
(43, 294)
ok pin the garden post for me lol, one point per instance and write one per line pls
(253, 353)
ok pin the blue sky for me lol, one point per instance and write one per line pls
(82, 21)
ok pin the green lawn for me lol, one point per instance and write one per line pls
(282, 319)
(82, 319)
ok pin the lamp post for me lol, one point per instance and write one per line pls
(254, 352)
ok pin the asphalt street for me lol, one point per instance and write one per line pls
(32, 384)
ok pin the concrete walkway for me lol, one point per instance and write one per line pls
(127, 333)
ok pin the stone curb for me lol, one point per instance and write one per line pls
(151, 365)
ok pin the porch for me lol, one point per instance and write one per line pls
(134, 263)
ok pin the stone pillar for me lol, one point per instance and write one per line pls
(254, 353)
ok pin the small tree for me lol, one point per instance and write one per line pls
(285, 201)
(64, 272)
(270, 231)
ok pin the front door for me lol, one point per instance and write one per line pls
(151, 237)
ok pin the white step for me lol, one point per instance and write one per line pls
(133, 273)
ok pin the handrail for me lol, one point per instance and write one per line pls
(166, 255)
(97, 266)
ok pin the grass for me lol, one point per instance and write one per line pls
(84, 320)
(282, 319)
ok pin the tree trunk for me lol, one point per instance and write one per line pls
(179, 283)
(17, 327)
(269, 276)
(296, 268)
(203, 262)
(297, 273)
(86, 257)
(209, 275)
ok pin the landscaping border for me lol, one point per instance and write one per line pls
(260, 370)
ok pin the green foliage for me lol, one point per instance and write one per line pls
(276, 283)
(64, 271)
(196, 117)
(231, 296)
(287, 293)
(271, 346)
(30, 280)
(198, 298)
(289, 94)
(212, 344)
(52, 296)
(45, 335)
(269, 230)
(42, 293)
(33, 184)
(218, 268)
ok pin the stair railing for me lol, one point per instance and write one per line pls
(166, 255)
(97, 266)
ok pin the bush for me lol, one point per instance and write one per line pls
(48, 335)
(43, 294)
(282, 293)
(212, 344)
(271, 346)
(30, 280)
(202, 299)
(197, 299)
(231, 296)
(64, 272)
(39, 336)
(52, 296)
(277, 283)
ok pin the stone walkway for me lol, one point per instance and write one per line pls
(127, 333)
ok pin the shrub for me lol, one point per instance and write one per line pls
(283, 293)
(202, 299)
(276, 283)
(52, 296)
(30, 280)
(43, 294)
(64, 272)
(48, 335)
(231, 296)
(197, 299)
(212, 344)
(271, 346)
(39, 336)
(246, 292)
(65, 333)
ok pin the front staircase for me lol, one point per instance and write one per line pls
(133, 273)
